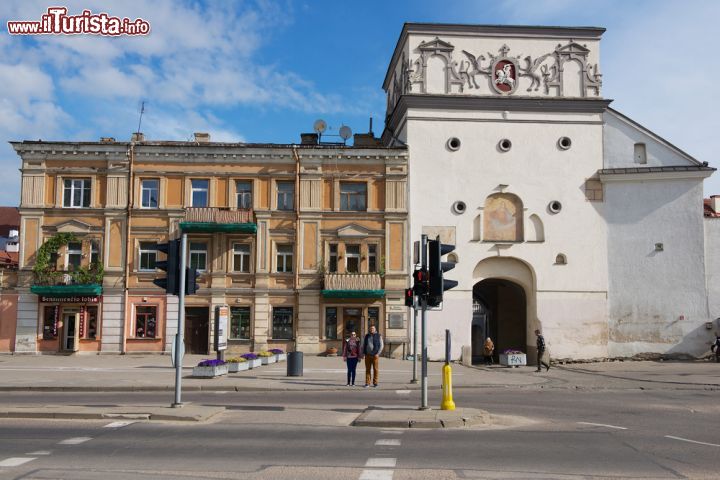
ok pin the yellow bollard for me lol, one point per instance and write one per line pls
(447, 400)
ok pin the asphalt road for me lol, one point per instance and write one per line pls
(553, 434)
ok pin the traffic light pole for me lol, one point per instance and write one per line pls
(179, 338)
(415, 342)
(423, 303)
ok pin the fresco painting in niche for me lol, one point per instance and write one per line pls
(503, 218)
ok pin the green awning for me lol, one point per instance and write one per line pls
(91, 290)
(213, 227)
(353, 293)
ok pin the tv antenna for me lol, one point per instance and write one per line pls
(345, 133)
(142, 110)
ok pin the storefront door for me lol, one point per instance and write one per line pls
(197, 329)
(352, 319)
(71, 330)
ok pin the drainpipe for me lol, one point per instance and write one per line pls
(296, 156)
(128, 250)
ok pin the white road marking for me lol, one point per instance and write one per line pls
(118, 424)
(16, 461)
(74, 440)
(40, 452)
(602, 425)
(221, 392)
(395, 442)
(381, 462)
(392, 432)
(403, 392)
(376, 475)
(692, 441)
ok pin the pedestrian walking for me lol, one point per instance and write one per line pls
(372, 346)
(488, 350)
(541, 361)
(351, 355)
(716, 348)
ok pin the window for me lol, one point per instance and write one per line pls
(94, 252)
(241, 257)
(331, 332)
(147, 257)
(200, 193)
(239, 323)
(282, 323)
(352, 258)
(149, 193)
(91, 323)
(372, 258)
(50, 322)
(74, 255)
(76, 193)
(145, 321)
(198, 256)
(352, 196)
(285, 195)
(243, 192)
(284, 258)
(640, 153)
(333, 260)
(373, 318)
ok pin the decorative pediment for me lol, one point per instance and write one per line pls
(73, 226)
(435, 46)
(573, 48)
(352, 231)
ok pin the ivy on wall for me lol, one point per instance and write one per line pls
(44, 268)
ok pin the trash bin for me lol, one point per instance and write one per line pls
(295, 364)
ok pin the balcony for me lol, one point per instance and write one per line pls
(66, 284)
(353, 285)
(212, 220)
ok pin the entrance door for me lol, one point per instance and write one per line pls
(352, 319)
(197, 328)
(501, 315)
(71, 331)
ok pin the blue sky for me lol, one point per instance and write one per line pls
(263, 71)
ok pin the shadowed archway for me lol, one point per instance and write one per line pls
(499, 312)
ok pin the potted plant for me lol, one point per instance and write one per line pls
(210, 369)
(237, 364)
(267, 357)
(331, 352)
(252, 360)
(513, 358)
(280, 355)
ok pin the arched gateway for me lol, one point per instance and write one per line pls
(503, 306)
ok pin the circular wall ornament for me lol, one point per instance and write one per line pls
(453, 144)
(555, 206)
(564, 143)
(459, 207)
(504, 145)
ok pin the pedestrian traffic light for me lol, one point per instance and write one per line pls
(409, 297)
(420, 286)
(171, 282)
(191, 277)
(436, 268)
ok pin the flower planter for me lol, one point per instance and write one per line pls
(237, 367)
(268, 360)
(513, 359)
(254, 363)
(210, 372)
(281, 357)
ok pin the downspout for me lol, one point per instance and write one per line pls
(296, 156)
(128, 250)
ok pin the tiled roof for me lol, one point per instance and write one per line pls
(708, 210)
(8, 259)
(9, 220)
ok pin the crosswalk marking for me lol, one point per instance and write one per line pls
(40, 452)
(381, 462)
(118, 424)
(74, 440)
(395, 442)
(376, 475)
(16, 461)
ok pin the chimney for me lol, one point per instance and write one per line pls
(107, 139)
(137, 137)
(715, 203)
(365, 140)
(202, 137)
(308, 139)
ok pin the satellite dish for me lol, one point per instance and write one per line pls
(319, 126)
(345, 132)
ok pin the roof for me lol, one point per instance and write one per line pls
(677, 168)
(9, 220)
(708, 209)
(9, 259)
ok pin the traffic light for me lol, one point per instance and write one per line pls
(191, 276)
(436, 268)
(420, 286)
(409, 297)
(171, 283)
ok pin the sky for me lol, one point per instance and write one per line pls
(264, 71)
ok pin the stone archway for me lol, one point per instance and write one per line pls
(504, 305)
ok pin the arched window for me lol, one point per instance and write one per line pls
(503, 218)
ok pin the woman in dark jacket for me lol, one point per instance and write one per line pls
(351, 355)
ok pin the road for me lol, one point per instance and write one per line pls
(544, 434)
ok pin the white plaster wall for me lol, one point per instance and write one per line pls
(712, 269)
(620, 137)
(657, 299)
(535, 170)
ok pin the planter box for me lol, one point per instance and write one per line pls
(254, 363)
(281, 357)
(513, 360)
(237, 367)
(268, 360)
(210, 372)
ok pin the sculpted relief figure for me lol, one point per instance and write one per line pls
(504, 76)
(476, 68)
(531, 70)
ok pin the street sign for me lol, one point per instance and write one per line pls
(416, 252)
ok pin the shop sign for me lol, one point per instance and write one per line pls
(221, 326)
(75, 299)
(82, 321)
